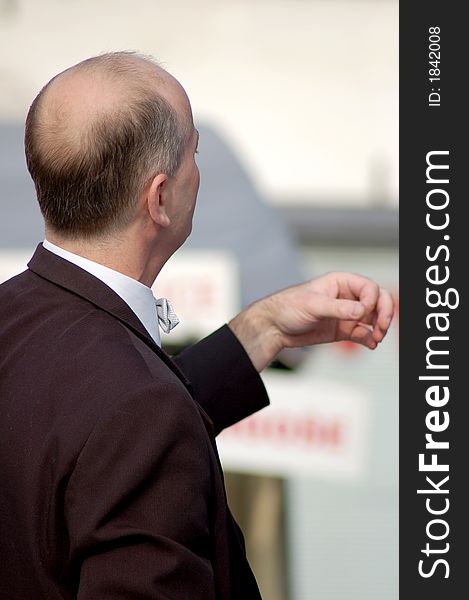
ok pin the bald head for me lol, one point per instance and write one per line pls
(96, 134)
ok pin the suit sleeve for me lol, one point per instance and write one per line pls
(137, 502)
(224, 380)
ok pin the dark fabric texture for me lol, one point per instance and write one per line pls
(110, 482)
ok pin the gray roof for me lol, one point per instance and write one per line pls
(230, 214)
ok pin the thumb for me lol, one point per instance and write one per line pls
(348, 310)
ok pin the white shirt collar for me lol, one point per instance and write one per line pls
(138, 296)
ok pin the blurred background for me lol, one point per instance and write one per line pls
(296, 103)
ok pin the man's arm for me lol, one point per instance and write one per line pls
(223, 377)
(223, 367)
(331, 308)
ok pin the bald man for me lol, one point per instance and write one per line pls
(111, 482)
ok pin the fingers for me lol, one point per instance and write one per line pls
(384, 315)
(362, 288)
(378, 302)
(364, 336)
(360, 310)
(380, 318)
(324, 307)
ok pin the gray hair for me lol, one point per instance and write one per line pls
(89, 178)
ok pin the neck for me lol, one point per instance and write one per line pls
(121, 253)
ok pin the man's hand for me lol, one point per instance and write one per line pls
(331, 308)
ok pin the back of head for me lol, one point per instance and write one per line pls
(95, 135)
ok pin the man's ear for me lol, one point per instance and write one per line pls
(156, 200)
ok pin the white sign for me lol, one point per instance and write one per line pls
(203, 288)
(13, 262)
(313, 427)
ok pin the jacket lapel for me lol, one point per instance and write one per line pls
(65, 274)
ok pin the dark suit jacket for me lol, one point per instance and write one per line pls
(111, 486)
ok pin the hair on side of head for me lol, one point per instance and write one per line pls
(89, 177)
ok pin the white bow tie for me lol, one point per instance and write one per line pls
(167, 318)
